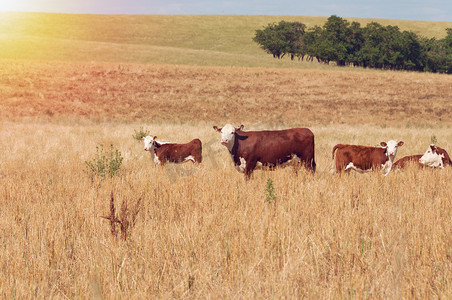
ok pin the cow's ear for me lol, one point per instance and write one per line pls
(142, 138)
(217, 129)
(383, 144)
(155, 137)
(400, 144)
(240, 128)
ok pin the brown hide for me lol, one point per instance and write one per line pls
(405, 161)
(272, 148)
(446, 158)
(363, 157)
(178, 152)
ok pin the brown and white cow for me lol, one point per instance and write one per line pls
(268, 148)
(162, 153)
(435, 157)
(406, 160)
(365, 158)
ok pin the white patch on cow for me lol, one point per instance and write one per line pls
(431, 158)
(189, 158)
(155, 158)
(149, 145)
(351, 166)
(241, 167)
(386, 167)
(228, 136)
(391, 151)
(391, 148)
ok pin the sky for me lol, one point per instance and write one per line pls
(425, 10)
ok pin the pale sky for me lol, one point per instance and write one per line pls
(426, 10)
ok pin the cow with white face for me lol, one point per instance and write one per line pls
(171, 152)
(228, 135)
(435, 157)
(365, 158)
(271, 148)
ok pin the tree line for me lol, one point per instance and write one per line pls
(349, 44)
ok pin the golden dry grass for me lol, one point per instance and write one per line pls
(163, 93)
(205, 232)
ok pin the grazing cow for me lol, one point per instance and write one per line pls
(435, 157)
(404, 161)
(170, 152)
(268, 148)
(364, 158)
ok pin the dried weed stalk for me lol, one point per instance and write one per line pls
(126, 219)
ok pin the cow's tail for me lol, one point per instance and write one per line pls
(336, 147)
(313, 165)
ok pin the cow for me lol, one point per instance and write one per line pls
(162, 153)
(435, 157)
(406, 160)
(268, 148)
(365, 158)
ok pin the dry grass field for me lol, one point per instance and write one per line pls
(69, 84)
(164, 93)
(203, 231)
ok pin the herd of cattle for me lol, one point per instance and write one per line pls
(251, 149)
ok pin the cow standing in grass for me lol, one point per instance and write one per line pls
(365, 158)
(268, 148)
(162, 153)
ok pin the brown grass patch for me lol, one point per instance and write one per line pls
(162, 93)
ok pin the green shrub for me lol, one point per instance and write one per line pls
(269, 191)
(138, 134)
(104, 163)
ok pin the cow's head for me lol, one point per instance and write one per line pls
(391, 148)
(228, 134)
(432, 158)
(149, 143)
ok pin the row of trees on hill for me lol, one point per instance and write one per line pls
(345, 43)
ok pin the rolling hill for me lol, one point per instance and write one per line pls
(214, 40)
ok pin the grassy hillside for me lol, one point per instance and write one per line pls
(166, 93)
(181, 39)
(203, 231)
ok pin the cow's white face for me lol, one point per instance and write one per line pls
(391, 148)
(148, 143)
(431, 157)
(228, 135)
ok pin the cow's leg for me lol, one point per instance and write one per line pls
(250, 165)
(198, 158)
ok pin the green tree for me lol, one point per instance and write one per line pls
(281, 39)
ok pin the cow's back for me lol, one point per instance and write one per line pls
(404, 161)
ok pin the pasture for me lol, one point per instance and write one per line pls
(203, 231)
